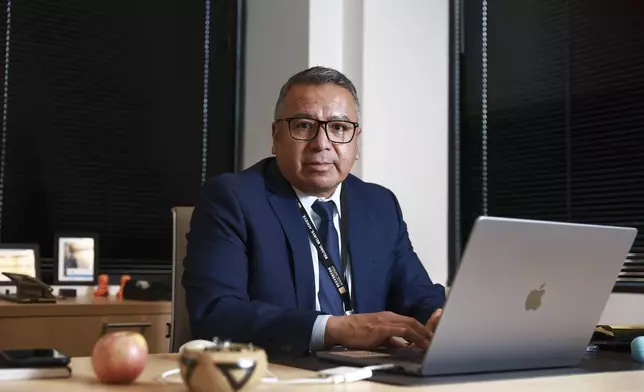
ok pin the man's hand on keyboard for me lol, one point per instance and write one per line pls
(371, 330)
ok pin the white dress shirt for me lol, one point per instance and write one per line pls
(319, 327)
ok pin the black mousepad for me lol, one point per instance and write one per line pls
(597, 362)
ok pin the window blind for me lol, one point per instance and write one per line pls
(109, 124)
(552, 110)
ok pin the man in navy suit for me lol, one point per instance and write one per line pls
(295, 254)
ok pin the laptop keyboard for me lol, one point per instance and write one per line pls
(406, 354)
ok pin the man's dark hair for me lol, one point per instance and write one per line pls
(318, 76)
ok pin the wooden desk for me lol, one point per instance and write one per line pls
(83, 380)
(73, 325)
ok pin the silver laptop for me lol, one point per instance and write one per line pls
(527, 295)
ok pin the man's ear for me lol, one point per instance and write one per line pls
(357, 136)
(273, 136)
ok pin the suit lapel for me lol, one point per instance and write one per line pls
(359, 247)
(282, 200)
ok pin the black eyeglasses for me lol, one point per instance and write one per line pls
(306, 129)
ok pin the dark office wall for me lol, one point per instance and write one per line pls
(105, 113)
(563, 91)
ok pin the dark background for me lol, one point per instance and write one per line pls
(104, 131)
(565, 107)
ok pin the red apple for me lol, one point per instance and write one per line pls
(119, 357)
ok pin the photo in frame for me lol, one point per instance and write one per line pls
(19, 259)
(75, 259)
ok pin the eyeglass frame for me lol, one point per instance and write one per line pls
(321, 123)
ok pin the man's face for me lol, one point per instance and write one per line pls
(319, 165)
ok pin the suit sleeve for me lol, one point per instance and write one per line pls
(412, 291)
(216, 275)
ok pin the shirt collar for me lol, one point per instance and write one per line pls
(308, 200)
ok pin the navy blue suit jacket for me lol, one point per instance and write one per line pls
(249, 273)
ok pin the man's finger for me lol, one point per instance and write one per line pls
(434, 319)
(410, 322)
(406, 333)
(394, 342)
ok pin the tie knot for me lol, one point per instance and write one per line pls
(324, 209)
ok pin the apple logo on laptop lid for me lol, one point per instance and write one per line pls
(533, 300)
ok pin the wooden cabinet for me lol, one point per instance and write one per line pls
(73, 325)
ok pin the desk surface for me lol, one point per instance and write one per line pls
(83, 380)
(84, 306)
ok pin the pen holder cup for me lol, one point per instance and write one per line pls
(225, 367)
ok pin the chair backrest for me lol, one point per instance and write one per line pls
(180, 329)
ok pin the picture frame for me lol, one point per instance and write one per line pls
(26, 260)
(75, 259)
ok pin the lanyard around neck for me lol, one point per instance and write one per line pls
(338, 281)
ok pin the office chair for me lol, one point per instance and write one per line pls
(180, 322)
